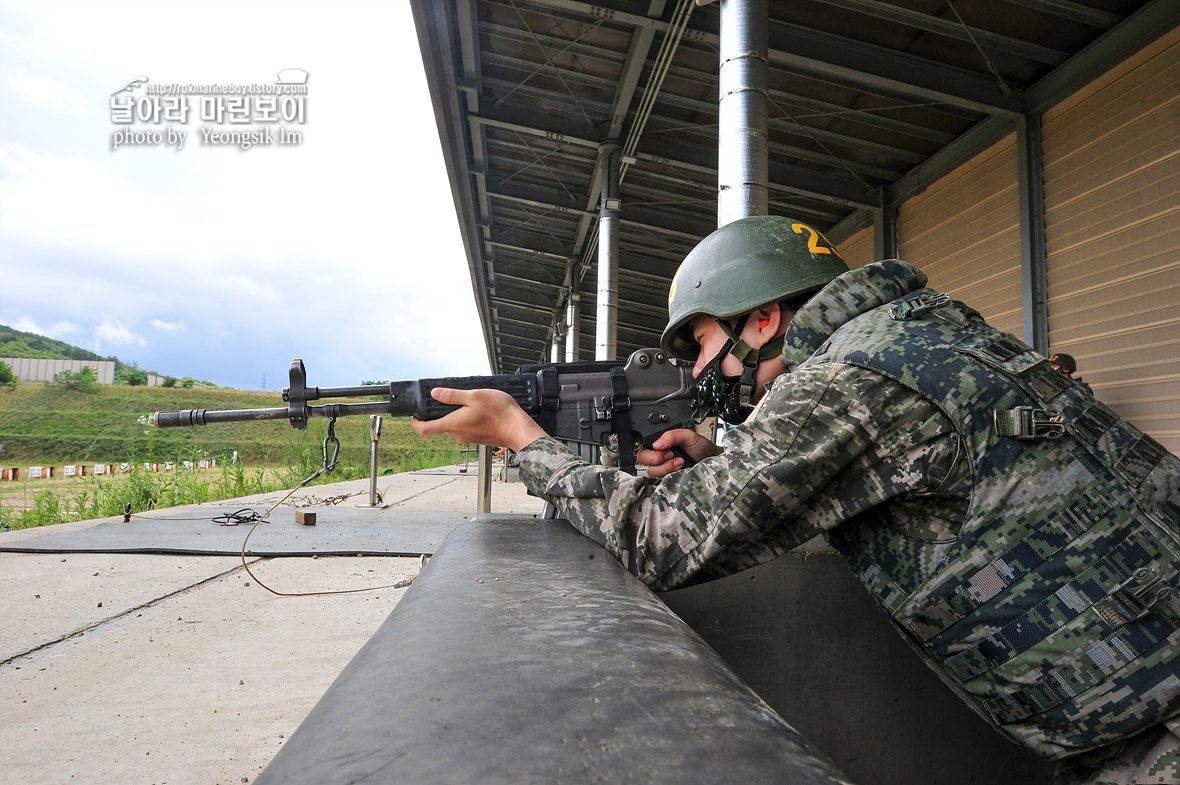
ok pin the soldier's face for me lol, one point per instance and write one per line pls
(710, 338)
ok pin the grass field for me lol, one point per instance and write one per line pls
(44, 425)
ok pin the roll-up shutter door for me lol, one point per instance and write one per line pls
(964, 233)
(1111, 157)
(857, 250)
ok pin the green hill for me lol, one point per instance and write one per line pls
(14, 343)
(45, 424)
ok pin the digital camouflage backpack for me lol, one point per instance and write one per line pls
(1053, 614)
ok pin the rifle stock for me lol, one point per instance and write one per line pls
(576, 402)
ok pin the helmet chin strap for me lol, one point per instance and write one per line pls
(749, 357)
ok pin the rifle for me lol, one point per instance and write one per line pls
(624, 406)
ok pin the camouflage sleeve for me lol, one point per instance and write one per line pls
(826, 443)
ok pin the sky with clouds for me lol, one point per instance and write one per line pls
(213, 261)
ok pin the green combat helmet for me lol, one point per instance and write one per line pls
(741, 266)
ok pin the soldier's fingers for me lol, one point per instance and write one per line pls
(664, 469)
(425, 427)
(653, 457)
(451, 396)
(677, 437)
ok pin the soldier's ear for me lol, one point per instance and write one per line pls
(767, 320)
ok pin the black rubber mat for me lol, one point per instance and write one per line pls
(523, 653)
(339, 531)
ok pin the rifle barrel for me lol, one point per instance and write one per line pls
(406, 399)
(186, 417)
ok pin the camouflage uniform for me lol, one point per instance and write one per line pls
(1151, 758)
(826, 444)
(899, 430)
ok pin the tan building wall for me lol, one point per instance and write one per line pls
(964, 233)
(857, 250)
(42, 370)
(1112, 227)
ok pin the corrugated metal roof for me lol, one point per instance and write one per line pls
(870, 101)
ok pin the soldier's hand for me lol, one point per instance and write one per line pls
(487, 417)
(661, 461)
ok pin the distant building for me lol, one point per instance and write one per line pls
(43, 370)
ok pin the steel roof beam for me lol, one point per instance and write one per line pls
(467, 22)
(524, 251)
(534, 266)
(562, 210)
(850, 225)
(539, 236)
(787, 126)
(540, 94)
(950, 29)
(524, 322)
(507, 300)
(868, 117)
(823, 54)
(1132, 35)
(512, 308)
(562, 45)
(552, 135)
(652, 197)
(708, 190)
(632, 69)
(431, 22)
(598, 12)
(1075, 12)
(811, 52)
(979, 138)
(794, 179)
(578, 77)
(516, 343)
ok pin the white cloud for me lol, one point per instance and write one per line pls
(47, 92)
(251, 256)
(27, 325)
(57, 331)
(116, 333)
(60, 329)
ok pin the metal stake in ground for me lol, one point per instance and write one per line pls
(374, 436)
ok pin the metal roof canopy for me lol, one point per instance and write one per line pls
(870, 102)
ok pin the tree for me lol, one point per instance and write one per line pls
(82, 380)
(169, 381)
(131, 375)
(7, 377)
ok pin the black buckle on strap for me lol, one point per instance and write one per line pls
(1137, 596)
(1028, 423)
(620, 414)
(919, 306)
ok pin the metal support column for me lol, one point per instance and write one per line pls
(573, 320)
(483, 499)
(374, 437)
(743, 165)
(1033, 278)
(606, 320)
(885, 233)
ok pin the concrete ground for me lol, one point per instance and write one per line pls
(153, 669)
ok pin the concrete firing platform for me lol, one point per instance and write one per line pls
(186, 530)
(549, 664)
(141, 668)
(402, 528)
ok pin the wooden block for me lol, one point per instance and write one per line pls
(305, 517)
